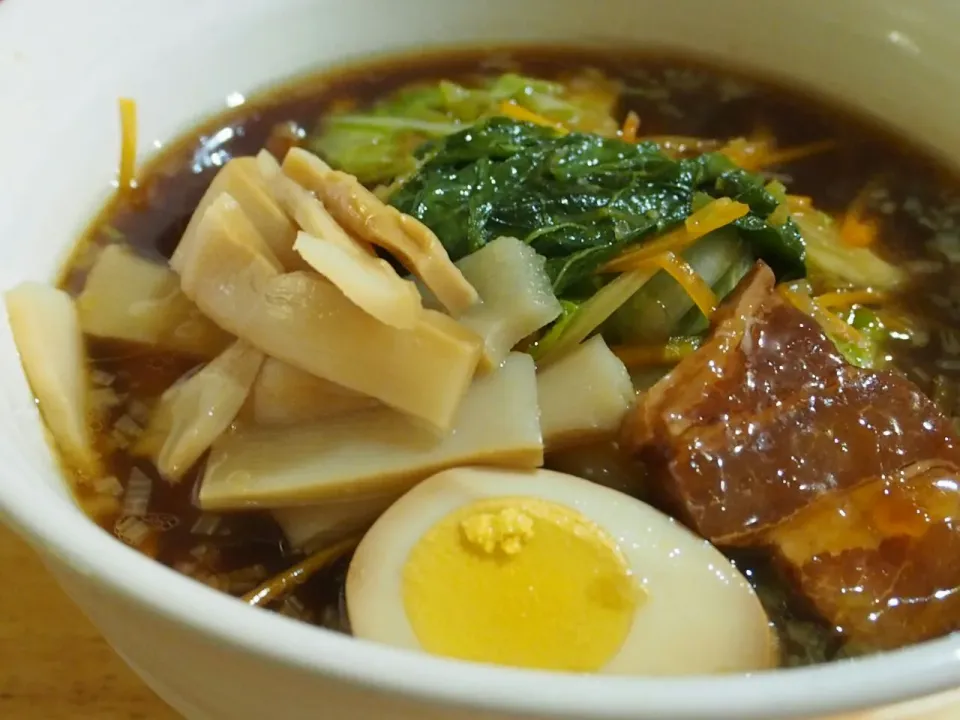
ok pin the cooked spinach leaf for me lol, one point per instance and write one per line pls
(577, 198)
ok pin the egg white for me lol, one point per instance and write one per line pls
(700, 615)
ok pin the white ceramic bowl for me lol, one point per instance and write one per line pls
(63, 63)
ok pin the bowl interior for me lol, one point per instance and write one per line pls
(182, 59)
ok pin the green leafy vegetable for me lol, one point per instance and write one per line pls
(577, 198)
(588, 316)
(378, 145)
(654, 313)
(694, 323)
(832, 263)
(870, 352)
(781, 247)
(557, 330)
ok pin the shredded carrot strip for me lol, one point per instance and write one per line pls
(631, 125)
(676, 240)
(286, 582)
(715, 215)
(848, 298)
(746, 153)
(712, 216)
(521, 114)
(856, 230)
(649, 355)
(786, 155)
(128, 143)
(830, 323)
(757, 154)
(694, 285)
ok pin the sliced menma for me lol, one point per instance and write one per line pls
(127, 297)
(368, 280)
(284, 395)
(46, 330)
(242, 179)
(516, 293)
(376, 452)
(305, 321)
(363, 214)
(583, 395)
(192, 414)
(312, 217)
(312, 527)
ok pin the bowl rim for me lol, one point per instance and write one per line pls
(66, 533)
(831, 688)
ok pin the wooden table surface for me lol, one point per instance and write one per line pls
(53, 663)
(55, 666)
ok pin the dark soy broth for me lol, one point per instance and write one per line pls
(915, 199)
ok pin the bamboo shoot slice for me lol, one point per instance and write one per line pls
(516, 293)
(310, 527)
(368, 280)
(313, 217)
(192, 414)
(286, 395)
(583, 395)
(46, 330)
(302, 319)
(363, 214)
(127, 297)
(241, 179)
(376, 452)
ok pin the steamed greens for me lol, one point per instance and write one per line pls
(655, 312)
(870, 351)
(578, 199)
(466, 163)
(378, 145)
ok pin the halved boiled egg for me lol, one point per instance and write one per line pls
(544, 570)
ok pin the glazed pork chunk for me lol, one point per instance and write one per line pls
(767, 437)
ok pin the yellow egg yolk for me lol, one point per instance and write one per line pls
(522, 582)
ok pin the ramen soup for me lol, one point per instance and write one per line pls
(559, 359)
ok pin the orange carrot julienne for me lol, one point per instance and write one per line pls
(831, 324)
(676, 240)
(757, 154)
(745, 153)
(856, 230)
(631, 125)
(778, 157)
(712, 216)
(694, 285)
(848, 298)
(521, 114)
(715, 215)
(672, 352)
